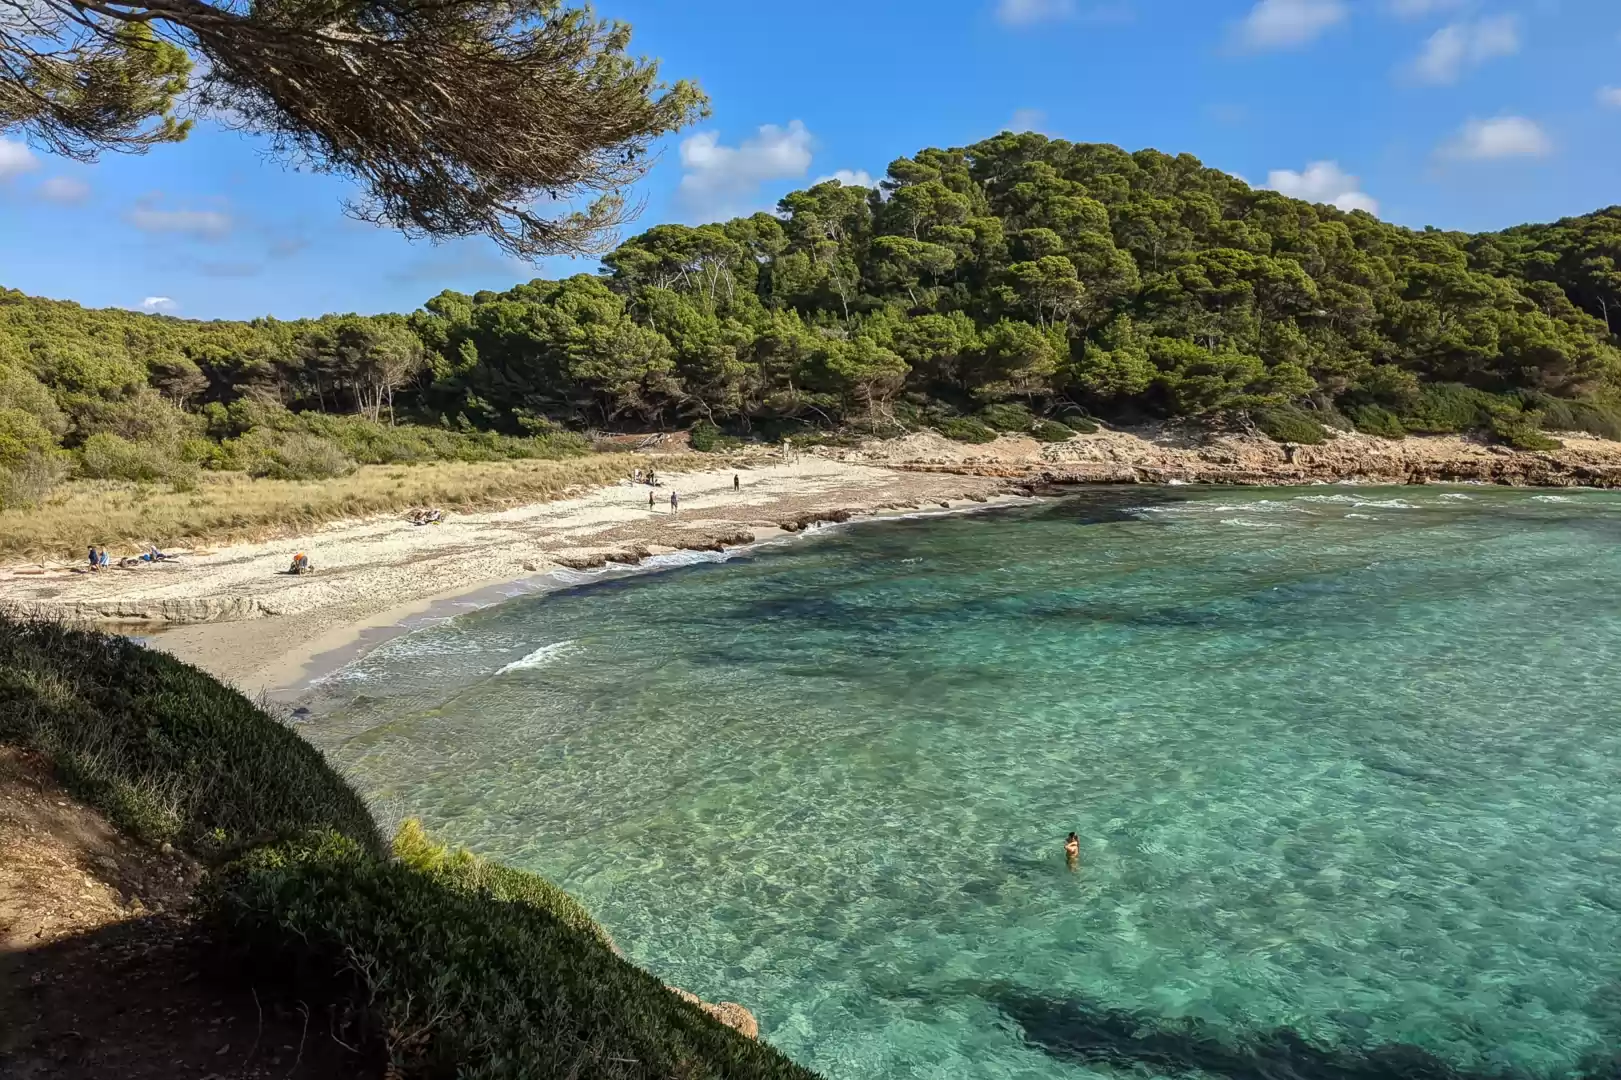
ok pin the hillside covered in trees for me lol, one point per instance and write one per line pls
(1020, 278)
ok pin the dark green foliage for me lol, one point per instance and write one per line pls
(1559, 414)
(966, 429)
(1051, 431)
(1011, 276)
(1522, 431)
(491, 987)
(1287, 424)
(1447, 408)
(1007, 417)
(168, 753)
(1377, 420)
(705, 437)
(1080, 423)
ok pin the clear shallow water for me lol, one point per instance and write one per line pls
(1344, 763)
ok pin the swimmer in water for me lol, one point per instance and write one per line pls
(1072, 851)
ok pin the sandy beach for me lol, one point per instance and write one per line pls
(235, 612)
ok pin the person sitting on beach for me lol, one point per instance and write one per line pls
(1072, 851)
(301, 564)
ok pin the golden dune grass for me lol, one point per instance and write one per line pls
(231, 507)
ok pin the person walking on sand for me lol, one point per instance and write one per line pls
(650, 498)
(94, 562)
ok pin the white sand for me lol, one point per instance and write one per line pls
(371, 574)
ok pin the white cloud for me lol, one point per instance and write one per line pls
(1287, 24)
(148, 216)
(1610, 96)
(1032, 12)
(1502, 137)
(725, 179)
(848, 177)
(1323, 182)
(1418, 9)
(1466, 44)
(159, 305)
(1028, 120)
(64, 189)
(16, 159)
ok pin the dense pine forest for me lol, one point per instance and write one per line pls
(1021, 282)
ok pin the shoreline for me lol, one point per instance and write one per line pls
(237, 615)
(297, 671)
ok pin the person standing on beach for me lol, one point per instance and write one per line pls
(737, 485)
(650, 498)
(675, 503)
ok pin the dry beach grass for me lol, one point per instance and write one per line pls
(228, 508)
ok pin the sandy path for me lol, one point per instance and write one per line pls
(250, 623)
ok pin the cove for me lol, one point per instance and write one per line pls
(1343, 761)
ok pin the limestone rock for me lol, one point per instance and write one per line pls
(729, 1013)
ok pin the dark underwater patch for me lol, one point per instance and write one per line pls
(1082, 1032)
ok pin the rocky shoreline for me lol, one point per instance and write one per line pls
(1167, 455)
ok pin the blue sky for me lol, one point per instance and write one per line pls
(1467, 114)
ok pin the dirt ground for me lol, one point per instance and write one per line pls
(104, 975)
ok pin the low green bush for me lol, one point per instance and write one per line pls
(705, 437)
(1522, 431)
(458, 981)
(460, 868)
(1448, 408)
(1563, 414)
(105, 456)
(1050, 431)
(1007, 417)
(285, 455)
(1377, 420)
(963, 429)
(1288, 424)
(1079, 422)
(165, 751)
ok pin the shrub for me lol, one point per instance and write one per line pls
(285, 455)
(1377, 420)
(966, 430)
(462, 869)
(704, 437)
(162, 749)
(1563, 414)
(27, 479)
(1521, 431)
(1048, 431)
(1006, 417)
(1079, 422)
(1446, 408)
(1286, 423)
(457, 981)
(105, 456)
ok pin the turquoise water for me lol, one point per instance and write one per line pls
(1343, 762)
